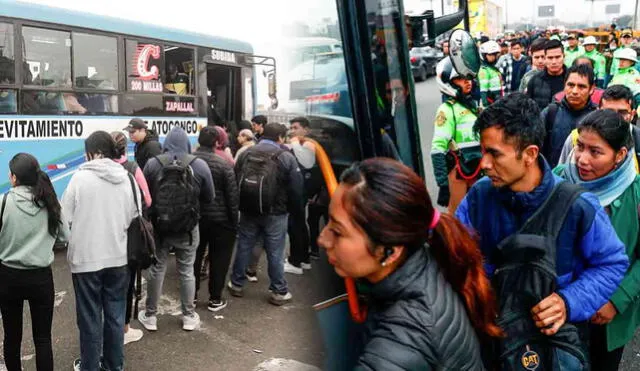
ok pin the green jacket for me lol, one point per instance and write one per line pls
(453, 127)
(629, 77)
(615, 62)
(570, 55)
(624, 216)
(600, 64)
(490, 83)
(25, 242)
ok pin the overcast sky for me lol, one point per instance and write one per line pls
(259, 21)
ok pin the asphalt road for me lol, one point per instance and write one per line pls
(250, 334)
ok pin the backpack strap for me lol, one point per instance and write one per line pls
(550, 216)
(551, 117)
(4, 203)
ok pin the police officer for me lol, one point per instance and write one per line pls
(455, 150)
(599, 61)
(627, 75)
(573, 50)
(489, 77)
(625, 42)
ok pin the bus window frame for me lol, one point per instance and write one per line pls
(92, 90)
(15, 54)
(199, 104)
(23, 50)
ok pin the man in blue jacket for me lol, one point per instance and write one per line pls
(590, 260)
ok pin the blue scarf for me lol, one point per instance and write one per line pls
(609, 187)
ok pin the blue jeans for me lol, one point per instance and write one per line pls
(272, 229)
(101, 300)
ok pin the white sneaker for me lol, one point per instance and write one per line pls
(277, 299)
(306, 266)
(150, 323)
(132, 335)
(190, 323)
(290, 268)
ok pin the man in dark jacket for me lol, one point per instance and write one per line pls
(271, 226)
(590, 259)
(146, 140)
(257, 125)
(185, 246)
(561, 118)
(544, 85)
(219, 219)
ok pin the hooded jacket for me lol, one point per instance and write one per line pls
(416, 321)
(177, 143)
(98, 206)
(590, 258)
(25, 241)
(224, 208)
(147, 149)
(566, 119)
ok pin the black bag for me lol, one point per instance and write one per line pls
(176, 207)
(525, 274)
(141, 245)
(259, 181)
(4, 203)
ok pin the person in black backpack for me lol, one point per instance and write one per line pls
(219, 223)
(549, 247)
(179, 184)
(270, 185)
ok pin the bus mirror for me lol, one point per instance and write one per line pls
(271, 78)
(464, 53)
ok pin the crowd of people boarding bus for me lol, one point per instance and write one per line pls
(199, 202)
(533, 265)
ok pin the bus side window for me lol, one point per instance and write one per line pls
(47, 56)
(95, 61)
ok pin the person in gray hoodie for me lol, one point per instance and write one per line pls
(30, 224)
(99, 205)
(176, 144)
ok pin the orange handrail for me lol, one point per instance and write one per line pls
(358, 313)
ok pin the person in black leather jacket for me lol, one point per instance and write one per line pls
(429, 302)
(219, 219)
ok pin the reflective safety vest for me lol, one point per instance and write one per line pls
(570, 55)
(600, 64)
(490, 83)
(629, 77)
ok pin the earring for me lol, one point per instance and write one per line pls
(384, 263)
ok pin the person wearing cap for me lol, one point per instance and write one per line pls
(146, 140)
(627, 75)
(573, 51)
(599, 61)
(626, 37)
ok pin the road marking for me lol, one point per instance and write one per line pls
(283, 364)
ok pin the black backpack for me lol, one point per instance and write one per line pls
(525, 274)
(259, 181)
(176, 206)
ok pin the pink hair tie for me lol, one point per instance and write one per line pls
(435, 220)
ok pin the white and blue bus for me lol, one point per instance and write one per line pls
(65, 75)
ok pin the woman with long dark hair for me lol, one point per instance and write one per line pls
(30, 225)
(429, 303)
(602, 163)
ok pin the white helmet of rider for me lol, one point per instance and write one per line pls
(445, 73)
(489, 47)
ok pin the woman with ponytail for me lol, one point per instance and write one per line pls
(429, 304)
(31, 223)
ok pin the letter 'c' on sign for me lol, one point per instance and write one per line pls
(146, 52)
